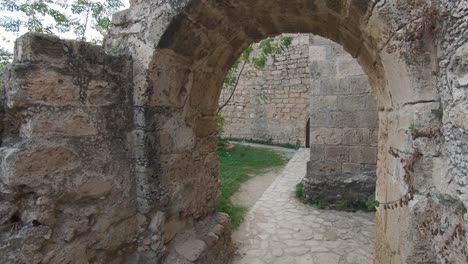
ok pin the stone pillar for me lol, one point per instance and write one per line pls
(343, 127)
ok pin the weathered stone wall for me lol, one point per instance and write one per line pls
(210, 35)
(272, 104)
(68, 161)
(181, 52)
(343, 127)
(66, 187)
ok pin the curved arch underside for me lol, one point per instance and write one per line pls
(206, 37)
(112, 159)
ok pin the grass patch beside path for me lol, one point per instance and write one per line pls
(235, 167)
(266, 142)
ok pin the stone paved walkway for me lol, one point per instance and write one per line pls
(280, 229)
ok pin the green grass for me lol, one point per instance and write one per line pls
(235, 167)
(300, 190)
(266, 142)
(369, 205)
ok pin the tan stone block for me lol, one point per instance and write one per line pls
(90, 185)
(355, 136)
(323, 103)
(49, 87)
(347, 66)
(318, 53)
(336, 153)
(68, 123)
(191, 249)
(351, 103)
(118, 234)
(101, 93)
(327, 136)
(363, 155)
(42, 163)
(351, 167)
(323, 168)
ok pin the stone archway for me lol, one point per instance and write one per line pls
(159, 165)
(204, 37)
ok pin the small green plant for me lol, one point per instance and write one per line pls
(118, 51)
(5, 58)
(368, 205)
(298, 144)
(438, 113)
(345, 205)
(412, 129)
(319, 203)
(300, 190)
(372, 203)
(221, 121)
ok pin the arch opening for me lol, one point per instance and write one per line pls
(206, 38)
(293, 84)
(97, 146)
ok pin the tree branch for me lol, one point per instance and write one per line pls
(233, 90)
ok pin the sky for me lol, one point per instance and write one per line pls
(7, 39)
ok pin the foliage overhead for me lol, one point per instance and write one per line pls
(257, 56)
(49, 16)
(36, 13)
(52, 17)
(96, 12)
(5, 57)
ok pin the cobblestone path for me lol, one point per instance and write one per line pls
(281, 229)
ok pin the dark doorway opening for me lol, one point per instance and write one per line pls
(307, 143)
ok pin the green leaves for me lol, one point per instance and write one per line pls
(5, 58)
(96, 13)
(286, 41)
(257, 56)
(77, 16)
(51, 16)
(36, 13)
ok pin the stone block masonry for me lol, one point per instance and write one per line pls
(272, 104)
(181, 51)
(313, 79)
(64, 176)
(343, 127)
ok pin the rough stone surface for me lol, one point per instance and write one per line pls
(343, 119)
(191, 249)
(181, 51)
(343, 127)
(272, 104)
(63, 161)
(281, 229)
